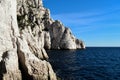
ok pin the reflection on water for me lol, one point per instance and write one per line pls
(89, 64)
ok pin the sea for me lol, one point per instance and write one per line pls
(93, 63)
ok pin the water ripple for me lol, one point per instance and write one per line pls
(90, 64)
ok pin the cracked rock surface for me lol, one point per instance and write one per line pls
(35, 20)
(21, 56)
(26, 30)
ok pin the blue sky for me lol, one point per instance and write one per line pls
(96, 22)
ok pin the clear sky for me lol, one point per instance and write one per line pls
(96, 22)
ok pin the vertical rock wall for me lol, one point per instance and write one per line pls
(22, 56)
(9, 66)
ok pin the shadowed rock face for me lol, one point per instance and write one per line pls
(24, 36)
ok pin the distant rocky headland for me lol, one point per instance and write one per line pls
(26, 31)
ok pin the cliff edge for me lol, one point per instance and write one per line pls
(34, 17)
(26, 30)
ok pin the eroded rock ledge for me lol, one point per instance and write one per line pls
(26, 30)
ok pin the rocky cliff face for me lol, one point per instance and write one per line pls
(9, 66)
(22, 56)
(26, 30)
(62, 37)
(48, 34)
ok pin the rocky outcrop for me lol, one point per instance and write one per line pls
(29, 14)
(34, 17)
(26, 30)
(34, 68)
(62, 37)
(22, 54)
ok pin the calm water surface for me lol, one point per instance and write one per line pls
(100, 63)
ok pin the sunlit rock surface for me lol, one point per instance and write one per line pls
(26, 30)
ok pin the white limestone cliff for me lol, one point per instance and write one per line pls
(34, 17)
(26, 30)
(20, 57)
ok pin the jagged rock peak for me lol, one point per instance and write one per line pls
(39, 20)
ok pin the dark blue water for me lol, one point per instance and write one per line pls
(90, 64)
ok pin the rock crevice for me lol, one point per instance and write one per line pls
(24, 36)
